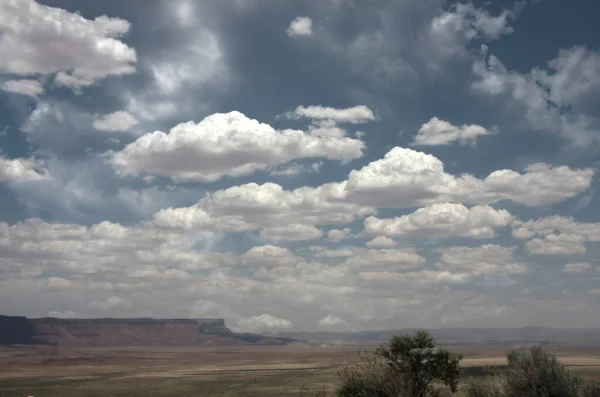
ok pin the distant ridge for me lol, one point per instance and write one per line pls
(125, 332)
(567, 337)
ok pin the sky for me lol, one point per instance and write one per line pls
(308, 165)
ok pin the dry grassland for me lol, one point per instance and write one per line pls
(208, 371)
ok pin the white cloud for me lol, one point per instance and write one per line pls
(58, 283)
(475, 261)
(109, 303)
(263, 323)
(296, 169)
(270, 255)
(385, 259)
(571, 77)
(20, 169)
(99, 249)
(451, 31)
(225, 144)
(292, 232)
(63, 314)
(408, 178)
(83, 51)
(354, 115)
(206, 308)
(337, 235)
(327, 128)
(556, 234)
(439, 132)
(32, 88)
(557, 244)
(577, 267)
(115, 122)
(442, 220)
(332, 322)
(300, 26)
(540, 95)
(381, 241)
(556, 224)
(253, 206)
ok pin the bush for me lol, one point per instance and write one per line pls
(591, 388)
(421, 361)
(536, 373)
(370, 376)
(491, 386)
(406, 368)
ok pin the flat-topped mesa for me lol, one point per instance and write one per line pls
(124, 332)
(16, 330)
(214, 326)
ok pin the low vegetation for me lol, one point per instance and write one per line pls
(415, 366)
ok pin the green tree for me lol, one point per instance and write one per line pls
(420, 360)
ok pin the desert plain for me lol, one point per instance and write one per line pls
(243, 371)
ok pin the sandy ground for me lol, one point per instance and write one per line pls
(206, 371)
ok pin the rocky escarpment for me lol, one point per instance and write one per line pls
(17, 330)
(124, 332)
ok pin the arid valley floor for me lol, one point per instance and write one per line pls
(207, 371)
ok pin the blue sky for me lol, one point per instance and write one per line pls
(301, 165)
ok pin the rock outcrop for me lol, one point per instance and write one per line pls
(125, 332)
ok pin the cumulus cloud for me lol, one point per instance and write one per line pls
(99, 249)
(32, 88)
(63, 314)
(109, 303)
(442, 220)
(403, 178)
(556, 234)
(225, 144)
(408, 178)
(438, 132)
(354, 115)
(332, 322)
(115, 122)
(328, 128)
(556, 224)
(292, 232)
(381, 241)
(57, 283)
(270, 255)
(300, 26)
(83, 51)
(337, 235)
(557, 244)
(476, 261)
(206, 308)
(577, 267)
(385, 259)
(20, 169)
(263, 323)
(252, 206)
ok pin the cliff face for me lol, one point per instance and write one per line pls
(16, 330)
(123, 332)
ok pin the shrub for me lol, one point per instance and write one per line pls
(490, 386)
(370, 376)
(591, 388)
(536, 373)
(420, 361)
(406, 368)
